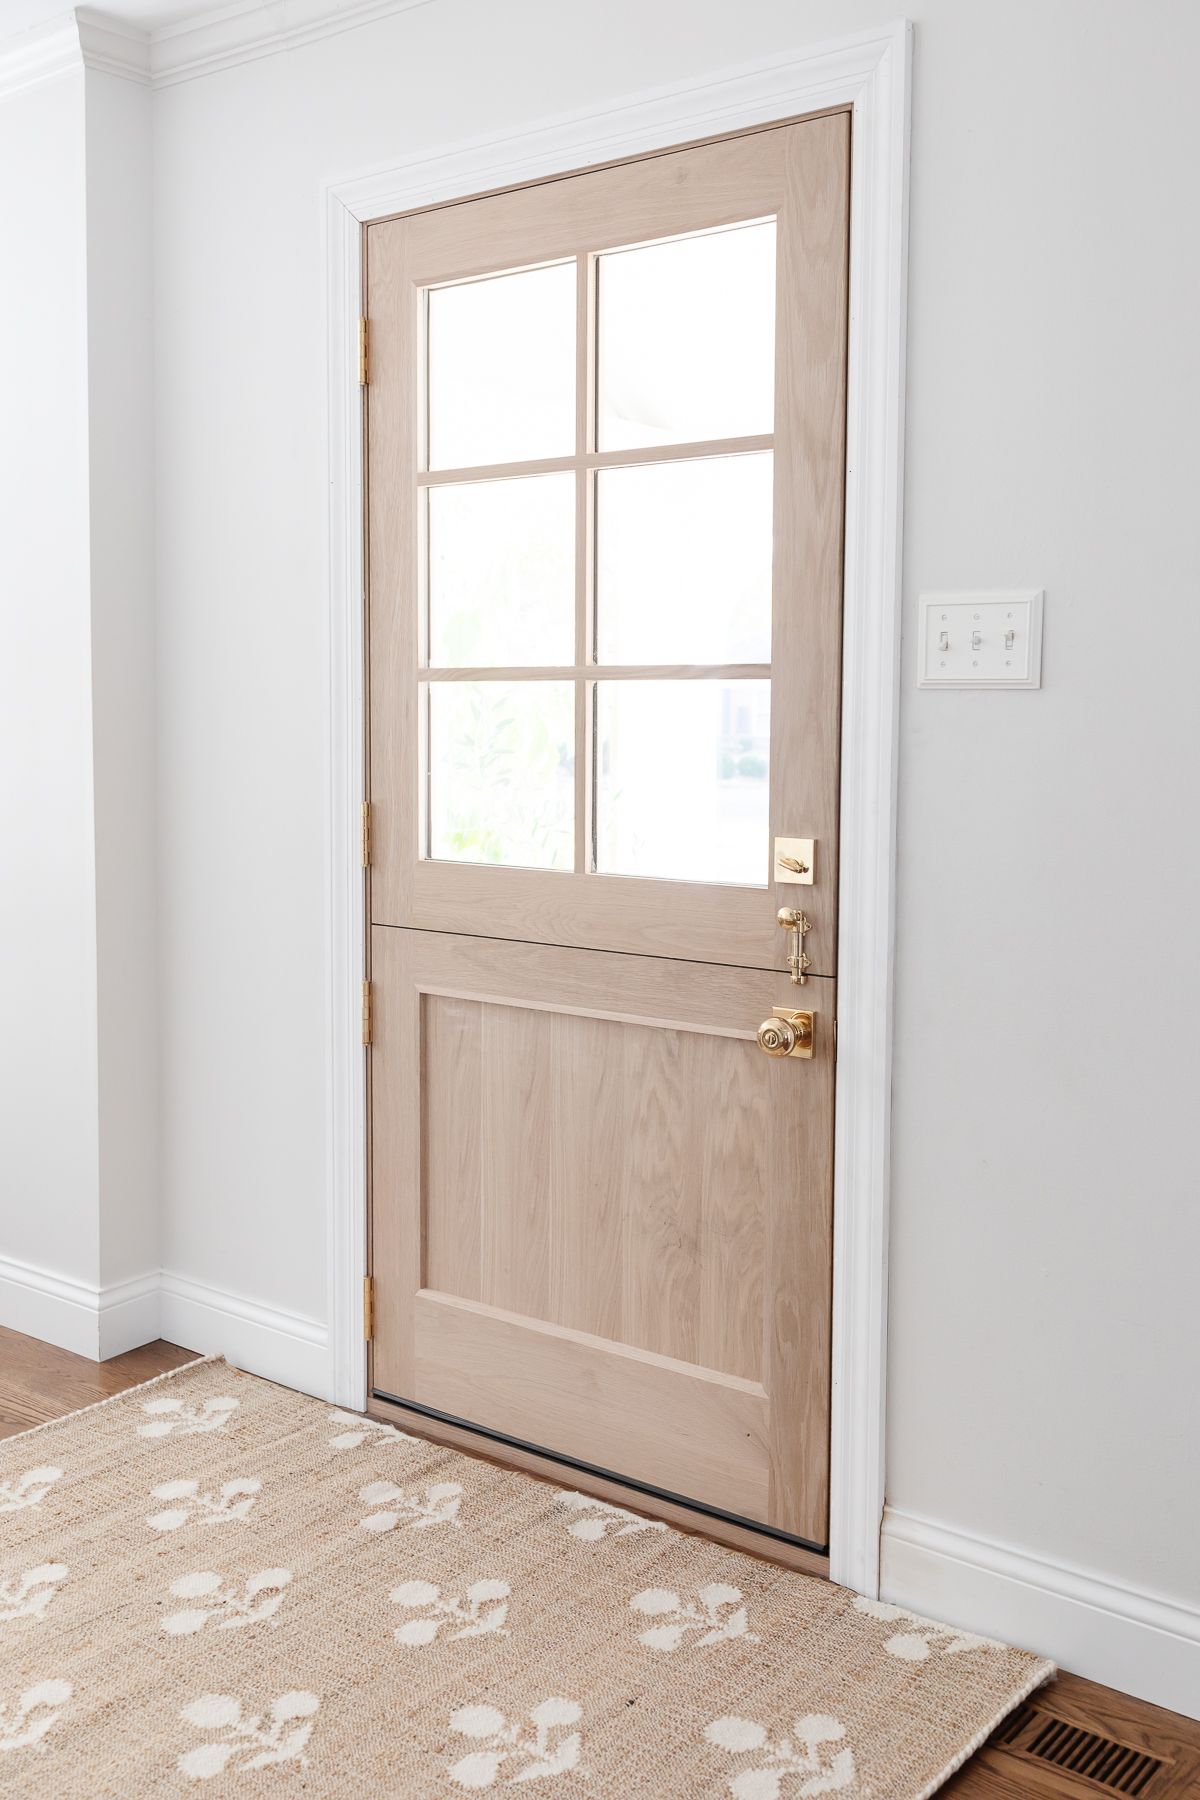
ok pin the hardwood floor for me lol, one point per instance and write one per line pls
(39, 1381)
(1154, 1755)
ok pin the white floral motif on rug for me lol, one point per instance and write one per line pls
(925, 1639)
(250, 1740)
(230, 1503)
(437, 1506)
(222, 1604)
(718, 1619)
(26, 1596)
(25, 1724)
(597, 1519)
(29, 1489)
(356, 1431)
(168, 1416)
(480, 1612)
(513, 1752)
(805, 1764)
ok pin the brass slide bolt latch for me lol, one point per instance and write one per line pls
(787, 1033)
(797, 923)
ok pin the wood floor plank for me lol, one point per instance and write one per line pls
(1001, 1773)
(39, 1382)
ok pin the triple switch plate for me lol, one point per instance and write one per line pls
(986, 640)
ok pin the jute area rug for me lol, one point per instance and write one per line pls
(211, 1584)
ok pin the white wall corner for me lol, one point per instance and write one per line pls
(1139, 1643)
(112, 46)
(130, 1314)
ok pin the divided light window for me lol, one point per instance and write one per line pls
(595, 516)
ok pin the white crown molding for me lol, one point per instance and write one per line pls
(1096, 1626)
(243, 33)
(112, 47)
(42, 54)
(202, 45)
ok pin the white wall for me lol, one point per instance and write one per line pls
(78, 1053)
(121, 439)
(48, 1061)
(1045, 1233)
(1045, 1230)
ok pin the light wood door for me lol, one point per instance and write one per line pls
(605, 467)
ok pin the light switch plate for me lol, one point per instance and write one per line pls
(989, 640)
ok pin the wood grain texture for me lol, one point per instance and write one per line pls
(39, 1381)
(694, 1432)
(588, 1145)
(998, 1773)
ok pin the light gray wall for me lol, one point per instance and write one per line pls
(1045, 1233)
(79, 1196)
(48, 1107)
(121, 473)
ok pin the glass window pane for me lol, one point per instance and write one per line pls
(502, 368)
(502, 572)
(681, 779)
(502, 772)
(683, 561)
(687, 339)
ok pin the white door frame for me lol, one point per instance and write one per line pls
(870, 72)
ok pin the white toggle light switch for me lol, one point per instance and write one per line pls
(981, 640)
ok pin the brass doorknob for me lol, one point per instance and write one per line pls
(777, 1037)
(787, 1033)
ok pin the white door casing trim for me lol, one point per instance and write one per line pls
(871, 73)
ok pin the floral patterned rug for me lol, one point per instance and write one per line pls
(210, 1584)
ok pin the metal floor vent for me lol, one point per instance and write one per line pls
(1117, 1768)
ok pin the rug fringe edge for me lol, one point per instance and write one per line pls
(197, 1362)
(1043, 1672)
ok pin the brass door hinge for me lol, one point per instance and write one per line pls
(363, 373)
(368, 1308)
(366, 1012)
(366, 834)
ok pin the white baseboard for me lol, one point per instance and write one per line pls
(129, 1314)
(101, 1322)
(52, 1307)
(281, 1346)
(1096, 1627)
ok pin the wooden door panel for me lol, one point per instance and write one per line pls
(697, 1432)
(614, 1199)
(602, 1216)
